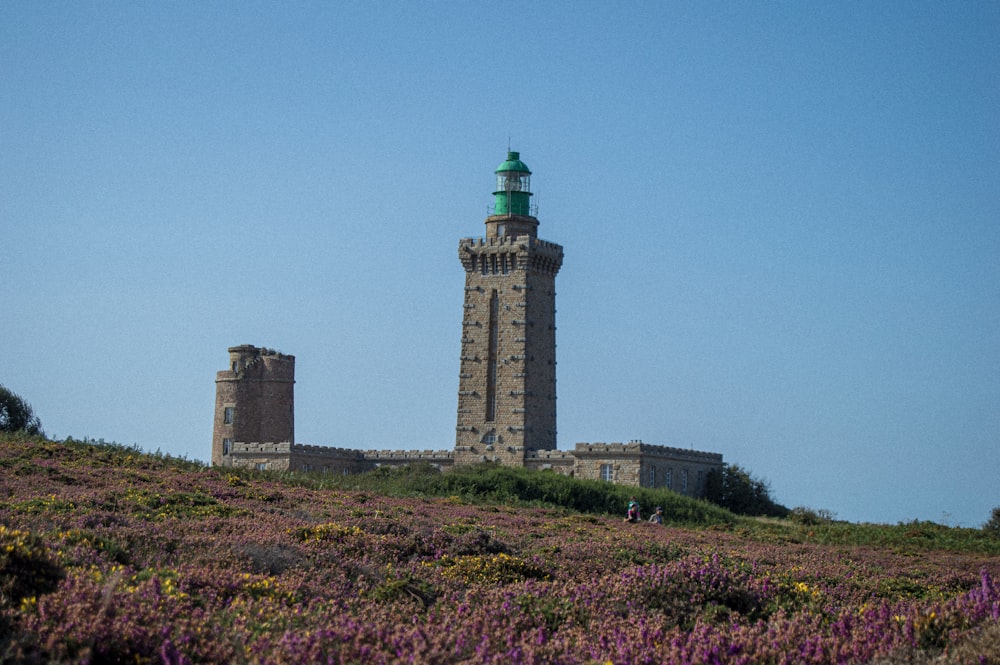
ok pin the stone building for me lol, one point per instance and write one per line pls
(507, 377)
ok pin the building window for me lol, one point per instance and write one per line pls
(227, 415)
(668, 478)
(684, 481)
(607, 472)
(490, 438)
(652, 476)
(260, 466)
(227, 446)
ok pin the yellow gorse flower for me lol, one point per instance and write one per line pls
(328, 531)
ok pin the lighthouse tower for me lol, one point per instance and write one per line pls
(507, 376)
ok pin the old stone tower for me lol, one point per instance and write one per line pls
(254, 399)
(507, 377)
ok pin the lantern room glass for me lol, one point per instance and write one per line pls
(513, 181)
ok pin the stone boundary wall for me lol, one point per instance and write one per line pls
(635, 463)
(272, 455)
(285, 456)
(560, 461)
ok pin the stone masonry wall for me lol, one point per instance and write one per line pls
(508, 330)
(558, 461)
(285, 456)
(272, 456)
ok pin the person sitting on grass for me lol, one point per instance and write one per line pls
(657, 517)
(632, 514)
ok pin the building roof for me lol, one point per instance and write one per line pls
(513, 163)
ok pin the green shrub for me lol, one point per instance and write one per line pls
(27, 569)
(733, 488)
(810, 517)
(489, 568)
(490, 483)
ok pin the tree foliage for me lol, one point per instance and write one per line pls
(993, 525)
(734, 488)
(16, 415)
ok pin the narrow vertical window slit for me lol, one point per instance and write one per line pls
(491, 363)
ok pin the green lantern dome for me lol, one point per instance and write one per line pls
(513, 187)
(513, 163)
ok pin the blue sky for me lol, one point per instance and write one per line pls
(780, 224)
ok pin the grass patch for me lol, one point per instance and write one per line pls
(487, 484)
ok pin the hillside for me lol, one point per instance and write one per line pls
(111, 555)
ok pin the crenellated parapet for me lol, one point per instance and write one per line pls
(249, 361)
(442, 459)
(504, 254)
(641, 448)
(506, 243)
(558, 461)
(406, 455)
(331, 451)
(551, 455)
